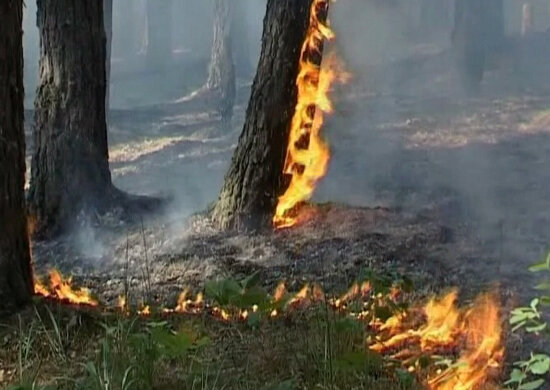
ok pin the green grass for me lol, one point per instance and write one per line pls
(57, 347)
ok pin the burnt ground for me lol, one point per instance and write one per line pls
(425, 180)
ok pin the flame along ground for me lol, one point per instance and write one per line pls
(438, 327)
(62, 288)
(308, 154)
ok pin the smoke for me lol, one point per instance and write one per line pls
(404, 134)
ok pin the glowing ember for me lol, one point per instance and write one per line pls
(308, 155)
(61, 288)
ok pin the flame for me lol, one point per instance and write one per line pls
(62, 288)
(145, 311)
(483, 353)
(308, 155)
(477, 333)
(280, 292)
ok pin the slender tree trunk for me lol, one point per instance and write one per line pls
(255, 180)
(470, 41)
(70, 168)
(15, 261)
(108, 10)
(239, 40)
(221, 74)
(159, 33)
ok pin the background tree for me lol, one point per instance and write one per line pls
(70, 166)
(159, 33)
(108, 17)
(469, 41)
(221, 74)
(15, 262)
(240, 40)
(254, 180)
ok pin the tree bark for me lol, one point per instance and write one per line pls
(70, 168)
(108, 10)
(159, 33)
(255, 180)
(15, 261)
(470, 41)
(221, 74)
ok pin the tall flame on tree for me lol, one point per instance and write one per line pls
(308, 154)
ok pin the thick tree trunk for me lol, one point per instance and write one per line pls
(254, 180)
(470, 41)
(15, 261)
(70, 168)
(221, 74)
(159, 33)
(108, 10)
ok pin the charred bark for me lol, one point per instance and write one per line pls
(15, 263)
(221, 73)
(159, 33)
(254, 180)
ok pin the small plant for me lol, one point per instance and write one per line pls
(530, 374)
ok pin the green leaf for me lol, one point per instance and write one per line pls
(534, 303)
(251, 280)
(545, 300)
(541, 365)
(536, 328)
(531, 385)
(545, 286)
(253, 296)
(542, 266)
(516, 376)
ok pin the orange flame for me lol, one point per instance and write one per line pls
(308, 155)
(476, 333)
(62, 288)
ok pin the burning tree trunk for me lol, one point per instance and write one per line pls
(70, 167)
(108, 9)
(255, 181)
(469, 40)
(159, 33)
(221, 75)
(15, 272)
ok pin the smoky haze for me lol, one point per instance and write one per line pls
(405, 134)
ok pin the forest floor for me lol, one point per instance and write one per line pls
(424, 181)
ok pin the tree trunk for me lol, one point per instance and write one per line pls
(239, 40)
(108, 10)
(470, 41)
(495, 26)
(70, 168)
(159, 33)
(221, 74)
(255, 180)
(15, 262)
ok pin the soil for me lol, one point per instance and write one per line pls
(424, 180)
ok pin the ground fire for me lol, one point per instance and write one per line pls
(470, 338)
(308, 154)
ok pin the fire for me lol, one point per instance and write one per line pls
(62, 288)
(477, 333)
(308, 154)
